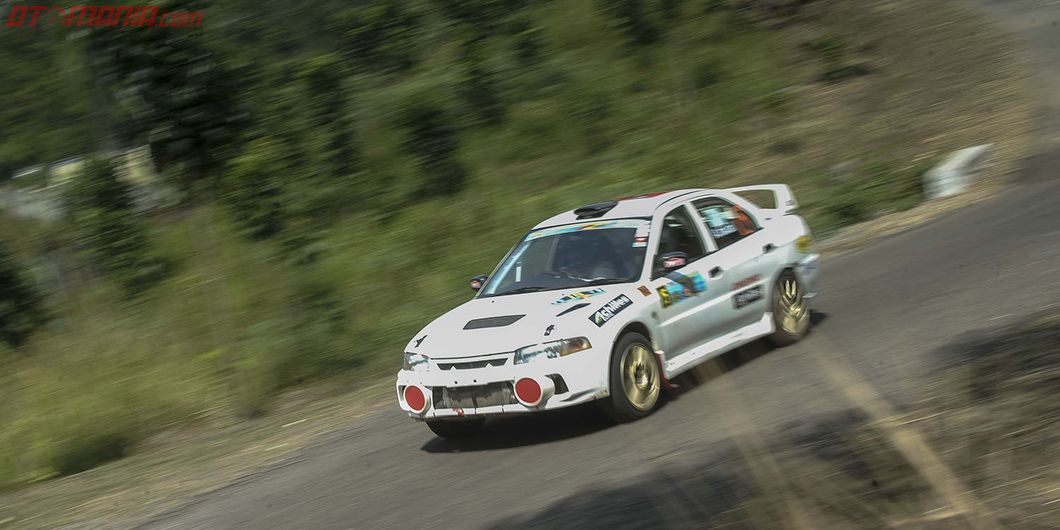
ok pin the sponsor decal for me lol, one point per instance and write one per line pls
(747, 297)
(803, 244)
(548, 330)
(580, 295)
(674, 262)
(610, 309)
(723, 230)
(640, 238)
(639, 224)
(745, 282)
(644, 290)
(419, 340)
(681, 288)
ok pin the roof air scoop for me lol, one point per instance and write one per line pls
(595, 210)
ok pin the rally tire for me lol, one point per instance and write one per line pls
(465, 428)
(635, 379)
(791, 311)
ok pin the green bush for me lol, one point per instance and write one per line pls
(253, 188)
(432, 138)
(22, 309)
(481, 92)
(105, 224)
(713, 6)
(88, 450)
(874, 188)
(706, 74)
(635, 18)
(529, 45)
(379, 35)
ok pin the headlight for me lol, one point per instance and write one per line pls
(415, 362)
(551, 350)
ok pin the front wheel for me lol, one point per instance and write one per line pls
(791, 312)
(456, 428)
(634, 378)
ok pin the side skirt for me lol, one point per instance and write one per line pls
(718, 346)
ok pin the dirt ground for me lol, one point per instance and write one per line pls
(990, 414)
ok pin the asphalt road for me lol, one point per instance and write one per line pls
(885, 311)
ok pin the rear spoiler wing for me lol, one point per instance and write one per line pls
(783, 199)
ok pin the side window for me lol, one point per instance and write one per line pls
(679, 234)
(726, 222)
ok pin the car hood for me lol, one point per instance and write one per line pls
(500, 324)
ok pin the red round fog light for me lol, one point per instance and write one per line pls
(415, 398)
(528, 391)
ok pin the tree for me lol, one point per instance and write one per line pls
(485, 17)
(481, 91)
(178, 96)
(45, 113)
(639, 18)
(434, 142)
(379, 36)
(21, 306)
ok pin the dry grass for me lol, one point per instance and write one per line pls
(938, 80)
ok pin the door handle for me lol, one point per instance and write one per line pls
(768, 248)
(715, 272)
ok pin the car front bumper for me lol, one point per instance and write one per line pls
(575, 379)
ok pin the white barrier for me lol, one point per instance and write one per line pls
(956, 173)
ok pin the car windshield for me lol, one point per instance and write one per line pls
(571, 256)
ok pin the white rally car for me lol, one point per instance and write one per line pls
(609, 302)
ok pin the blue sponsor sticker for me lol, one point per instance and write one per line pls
(681, 288)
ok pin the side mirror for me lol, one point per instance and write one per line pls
(477, 282)
(673, 260)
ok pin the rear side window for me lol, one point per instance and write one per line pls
(726, 222)
(679, 234)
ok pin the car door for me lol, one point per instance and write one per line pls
(741, 268)
(682, 294)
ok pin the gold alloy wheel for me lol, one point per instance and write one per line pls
(794, 313)
(640, 377)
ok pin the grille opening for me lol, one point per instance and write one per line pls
(561, 385)
(468, 365)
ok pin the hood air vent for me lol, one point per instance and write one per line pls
(492, 322)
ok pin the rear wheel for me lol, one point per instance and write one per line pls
(456, 428)
(791, 312)
(635, 379)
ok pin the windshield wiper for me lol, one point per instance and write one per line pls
(605, 281)
(521, 290)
